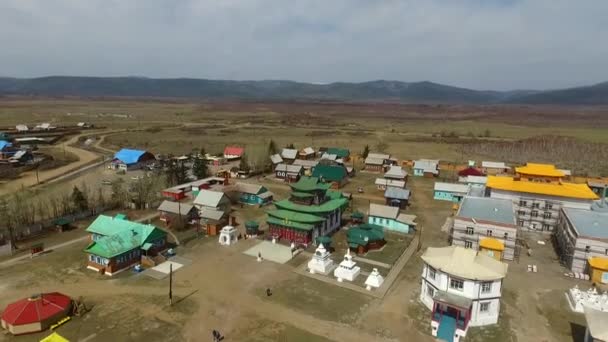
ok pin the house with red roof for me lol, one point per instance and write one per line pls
(233, 152)
(36, 313)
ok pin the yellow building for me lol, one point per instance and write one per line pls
(598, 269)
(492, 248)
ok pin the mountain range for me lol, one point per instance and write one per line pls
(406, 92)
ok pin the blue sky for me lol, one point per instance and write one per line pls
(491, 44)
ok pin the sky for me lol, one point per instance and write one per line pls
(480, 44)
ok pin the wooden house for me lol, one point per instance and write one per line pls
(177, 214)
(213, 210)
(390, 218)
(453, 192)
(306, 153)
(254, 194)
(375, 161)
(289, 173)
(426, 168)
(289, 155)
(117, 244)
(494, 168)
(397, 197)
(128, 159)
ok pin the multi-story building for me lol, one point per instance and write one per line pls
(580, 236)
(538, 193)
(462, 288)
(487, 225)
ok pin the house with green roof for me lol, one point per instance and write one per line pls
(312, 210)
(365, 237)
(341, 153)
(336, 175)
(117, 243)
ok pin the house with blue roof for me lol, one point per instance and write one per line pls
(129, 159)
(117, 243)
(6, 149)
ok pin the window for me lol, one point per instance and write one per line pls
(92, 258)
(520, 223)
(430, 290)
(521, 212)
(506, 236)
(534, 213)
(470, 230)
(535, 205)
(547, 215)
(456, 284)
(484, 307)
(489, 232)
(587, 249)
(432, 273)
(548, 206)
(546, 227)
(468, 244)
(486, 287)
(522, 203)
(606, 251)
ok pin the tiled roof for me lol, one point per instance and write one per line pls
(295, 216)
(326, 207)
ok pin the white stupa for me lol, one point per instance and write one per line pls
(374, 280)
(228, 236)
(320, 262)
(348, 269)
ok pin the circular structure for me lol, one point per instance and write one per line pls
(36, 313)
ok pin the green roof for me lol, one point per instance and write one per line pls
(61, 221)
(364, 233)
(251, 224)
(309, 184)
(340, 152)
(332, 173)
(121, 216)
(301, 194)
(120, 236)
(357, 215)
(325, 240)
(333, 194)
(295, 216)
(146, 246)
(326, 207)
(292, 224)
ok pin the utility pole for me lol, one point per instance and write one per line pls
(37, 178)
(170, 284)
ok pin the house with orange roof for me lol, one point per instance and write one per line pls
(538, 192)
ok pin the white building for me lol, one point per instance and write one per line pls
(374, 280)
(494, 168)
(321, 261)
(348, 269)
(462, 288)
(487, 225)
(580, 235)
(597, 327)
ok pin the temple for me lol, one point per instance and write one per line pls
(311, 211)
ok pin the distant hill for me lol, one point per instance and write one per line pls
(414, 92)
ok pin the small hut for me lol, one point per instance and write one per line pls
(357, 217)
(252, 228)
(36, 313)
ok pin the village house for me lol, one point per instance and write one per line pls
(45, 126)
(129, 159)
(253, 194)
(494, 168)
(308, 165)
(487, 225)
(214, 209)
(581, 238)
(397, 197)
(22, 128)
(177, 214)
(426, 168)
(462, 288)
(336, 175)
(375, 161)
(365, 237)
(311, 211)
(276, 159)
(538, 193)
(470, 171)
(341, 154)
(384, 183)
(390, 218)
(7, 149)
(306, 153)
(289, 155)
(479, 181)
(181, 191)
(117, 244)
(233, 152)
(396, 173)
(453, 192)
(289, 173)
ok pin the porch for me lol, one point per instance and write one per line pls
(451, 316)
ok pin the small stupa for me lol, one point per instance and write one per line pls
(374, 280)
(320, 262)
(348, 269)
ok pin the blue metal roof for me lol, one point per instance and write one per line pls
(488, 209)
(4, 143)
(129, 156)
(590, 224)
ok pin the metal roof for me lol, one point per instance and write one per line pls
(494, 165)
(465, 263)
(306, 163)
(330, 173)
(308, 151)
(378, 155)
(234, 151)
(276, 158)
(380, 210)
(211, 214)
(390, 182)
(288, 168)
(452, 187)
(129, 156)
(588, 223)
(452, 299)
(395, 172)
(288, 153)
(407, 219)
(427, 165)
(374, 161)
(209, 198)
(473, 179)
(398, 193)
(487, 209)
(176, 207)
(329, 156)
(249, 188)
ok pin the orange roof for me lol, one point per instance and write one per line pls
(569, 190)
(598, 262)
(491, 243)
(547, 170)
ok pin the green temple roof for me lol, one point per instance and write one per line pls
(362, 234)
(326, 207)
(292, 224)
(301, 194)
(309, 184)
(295, 216)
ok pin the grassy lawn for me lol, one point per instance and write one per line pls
(318, 299)
(395, 245)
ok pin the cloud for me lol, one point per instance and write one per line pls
(484, 44)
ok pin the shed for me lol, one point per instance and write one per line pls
(365, 237)
(397, 197)
(36, 313)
